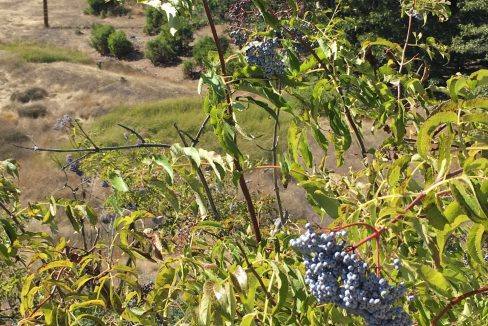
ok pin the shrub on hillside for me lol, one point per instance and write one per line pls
(206, 44)
(160, 51)
(190, 69)
(105, 7)
(180, 42)
(155, 20)
(118, 44)
(99, 37)
(33, 111)
(29, 95)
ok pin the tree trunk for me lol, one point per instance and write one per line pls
(46, 14)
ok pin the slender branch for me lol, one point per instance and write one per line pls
(347, 111)
(131, 130)
(85, 134)
(94, 150)
(404, 51)
(203, 180)
(375, 235)
(51, 294)
(12, 215)
(377, 238)
(253, 270)
(237, 165)
(410, 206)
(200, 131)
(455, 301)
(275, 162)
(405, 46)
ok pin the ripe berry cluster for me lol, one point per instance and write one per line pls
(265, 55)
(74, 166)
(339, 277)
(298, 34)
(239, 37)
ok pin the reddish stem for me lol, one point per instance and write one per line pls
(375, 235)
(378, 241)
(455, 301)
(342, 227)
(242, 181)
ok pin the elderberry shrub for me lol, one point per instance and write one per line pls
(341, 278)
(265, 55)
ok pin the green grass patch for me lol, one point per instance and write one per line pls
(155, 120)
(45, 53)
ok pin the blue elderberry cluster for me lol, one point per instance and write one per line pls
(339, 277)
(266, 56)
(239, 37)
(301, 43)
(74, 166)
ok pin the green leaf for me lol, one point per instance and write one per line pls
(209, 224)
(86, 304)
(56, 264)
(305, 151)
(9, 230)
(436, 219)
(424, 138)
(72, 218)
(436, 280)
(319, 137)
(468, 201)
(283, 286)
(473, 243)
(397, 169)
(163, 162)
(268, 18)
(248, 320)
(204, 309)
(92, 318)
(262, 105)
(91, 215)
(293, 140)
(193, 154)
(117, 182)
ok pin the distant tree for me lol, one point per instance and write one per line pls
(469, 42)
(46, 13)
(465, 32)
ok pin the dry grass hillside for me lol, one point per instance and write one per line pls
(46, 73)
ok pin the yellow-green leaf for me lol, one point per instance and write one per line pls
(436, 280)
(424, 137)
(473, 243)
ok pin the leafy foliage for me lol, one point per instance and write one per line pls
(105, 7)
(205, 46)
(160, 51)
(190, 69)
(99, 37)
(416, 212)
(155, 20)
(119, 45)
